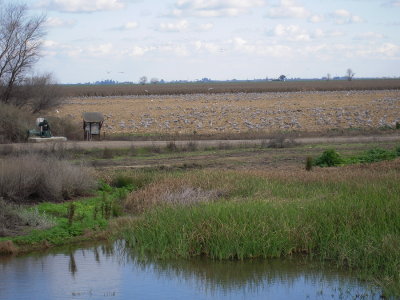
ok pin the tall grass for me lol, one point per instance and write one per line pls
(344, 217)
(34, 177)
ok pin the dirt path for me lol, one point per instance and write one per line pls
(199, 143)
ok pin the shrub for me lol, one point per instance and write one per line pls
(172, 147)
(329, 158)
(65, 127)
(122, 180)
(375, 155)
(309, 163)
(14, 124)
(32, 177)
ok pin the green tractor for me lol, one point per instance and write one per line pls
(42, 131)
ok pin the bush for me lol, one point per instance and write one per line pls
(329, 158)
(309, 163)
(32, 177)
(377, 154)
(14, 124)
(65, 127)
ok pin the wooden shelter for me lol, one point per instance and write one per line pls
(92, 123)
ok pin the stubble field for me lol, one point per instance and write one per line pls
(240, 112)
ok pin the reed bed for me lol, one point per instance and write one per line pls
(347, 215)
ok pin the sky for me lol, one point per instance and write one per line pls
(93, 40)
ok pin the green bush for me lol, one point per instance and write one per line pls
(122, 180)
(376, 154)
(329, 158)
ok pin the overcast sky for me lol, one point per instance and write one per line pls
(90, 40)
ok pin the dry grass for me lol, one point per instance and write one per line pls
(187, 190)
(216, 114)
(37, 178)
(226, 87)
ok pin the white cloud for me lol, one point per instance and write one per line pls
(369, 36)
(79, 6)
(291, 32)
(316, 19)
(214, 8)
(174, 27)
(57, 22)
(127, 26)
(394, 3)
(206, 26)
(343, 16)
(209, 47)
(288, 9)
(101, 50)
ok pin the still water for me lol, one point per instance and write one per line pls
(113, 272)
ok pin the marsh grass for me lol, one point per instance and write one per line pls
(346, 215)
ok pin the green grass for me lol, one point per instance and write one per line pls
(331, 158)
(90, 214)
(352, 223)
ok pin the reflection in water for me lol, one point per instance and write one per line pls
(110, 270)
(72, 264)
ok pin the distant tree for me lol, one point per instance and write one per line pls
(21, 36)
(143, 80)
(282, 78)
(154, 80)
(39, 93)
(328, 77)
(349, 74)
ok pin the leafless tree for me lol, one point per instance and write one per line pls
(154, 80)
(39, 92)
(350, 74)
(328, 77)
(143, 80)
(20, 41)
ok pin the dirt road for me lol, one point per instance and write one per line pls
(199, 143)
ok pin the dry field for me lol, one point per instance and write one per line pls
(240, 112)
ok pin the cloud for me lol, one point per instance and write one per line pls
(127, 26)
(393, 3)
(81, 6)
(205, 26)
(174, 27)
(369, 36)
(342, 16)
(291, 33)
(57, 22)
(214, 8)
(288, 9)
(316, 19)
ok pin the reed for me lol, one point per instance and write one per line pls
(346, 218)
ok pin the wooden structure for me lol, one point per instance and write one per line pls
(92, 123)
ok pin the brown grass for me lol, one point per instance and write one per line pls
(226, 87)
(7, 247)
(33, 177)
(231, 114)
(187, 190)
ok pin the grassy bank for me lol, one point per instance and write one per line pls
(53, 224)
(346, 215)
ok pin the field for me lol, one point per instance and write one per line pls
(226, 87)
(236, 113)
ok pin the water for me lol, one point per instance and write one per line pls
(112, 272)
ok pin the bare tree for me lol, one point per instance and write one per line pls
(154, 80)
(328, 77)
(350, 74)
(20, 42)
(143, 80)
(38, 92)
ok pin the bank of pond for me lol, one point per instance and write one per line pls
(345, 217)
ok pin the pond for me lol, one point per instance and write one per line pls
(111, 271)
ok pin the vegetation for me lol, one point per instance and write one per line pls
(347, 215)
(331, 158)
(32, 178)
(226, 87)
(69, 221)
